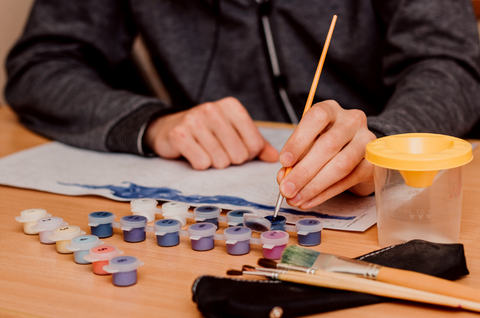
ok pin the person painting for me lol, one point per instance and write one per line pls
(393, 67)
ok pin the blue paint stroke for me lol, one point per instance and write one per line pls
(134, 191)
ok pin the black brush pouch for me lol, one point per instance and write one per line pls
(229, 297)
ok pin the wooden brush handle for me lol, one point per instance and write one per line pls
(362, 285)
(427, 283)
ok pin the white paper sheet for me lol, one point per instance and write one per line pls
(58, 168)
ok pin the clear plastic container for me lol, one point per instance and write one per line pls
(418, 187)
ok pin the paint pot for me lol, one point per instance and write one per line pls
(309, 231)
(133, 227)
(101, 223)
(235, 217)
(207, 213)
(123, 270)
(176, 211)
(167, 232)
(145, 207)
(63, 235)
(99, 257)
(237, 239)
(30, 217)
(256, 223)
(274, 242)
(81, 245)
(45, 227)
(277, 224)
(201, 235)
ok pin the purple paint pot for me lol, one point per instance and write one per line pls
(101, 223)
(30, 217)
(207, 213)
(309, 231)
(145, 207)
(133, 227)
(235, 217)
(81, 245)
(201, 235)
(238, 240)
(124, 270)
(45, 227)
(176, 211)
(167, 232)
(274, 242)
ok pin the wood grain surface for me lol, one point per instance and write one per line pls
(36, 281)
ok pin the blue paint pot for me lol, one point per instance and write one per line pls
(123, 270)
(133, 227)
(81, 245)
(167, 232)
(278, 224)
(207, 214)
(101, 223)
(235, 217)
(237, 239)
(201, 236)
(309, 231)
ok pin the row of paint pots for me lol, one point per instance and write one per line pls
(308, 230)
(86, 248)
(202, 235)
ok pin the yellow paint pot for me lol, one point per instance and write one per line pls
(63, 235)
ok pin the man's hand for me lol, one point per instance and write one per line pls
(335, 139)
(215, 134)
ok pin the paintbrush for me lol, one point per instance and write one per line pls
(309, 102)
(313, 262)
(357, 284)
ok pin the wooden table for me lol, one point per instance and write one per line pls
(36, 281)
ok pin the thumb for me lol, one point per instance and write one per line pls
(268, 153)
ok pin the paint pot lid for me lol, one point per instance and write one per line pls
(32, 215)
(102, 253)
(122, 264)
(274, 238)
(48, 224)
(236, 216)
(202, 229)
(101, 217)
(206, 212)
(83, 242)
(237, 234)
(256, 223)
(143, 204)
(174, 208)
(64, 233)
(309, 225)
(133, 221)
(166, 226)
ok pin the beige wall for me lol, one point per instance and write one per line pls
(13, 14)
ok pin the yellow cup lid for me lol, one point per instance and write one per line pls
(419, 152)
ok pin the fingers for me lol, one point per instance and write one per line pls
(268, 153)
(361, 178)
(189, 148)
(341, 167)
(311, 125)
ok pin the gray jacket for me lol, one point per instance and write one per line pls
(411, 66)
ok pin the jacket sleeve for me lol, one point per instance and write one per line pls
(431, 62)
(62, 79)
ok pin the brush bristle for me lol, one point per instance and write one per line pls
(299, 256)
(268, 263)
(234, 272)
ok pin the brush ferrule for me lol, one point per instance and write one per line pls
(293, 267)
(334, 263)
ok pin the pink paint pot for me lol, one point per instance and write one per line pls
(99, 256)
(274, 242)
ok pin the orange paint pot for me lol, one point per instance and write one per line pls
(99, 256)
